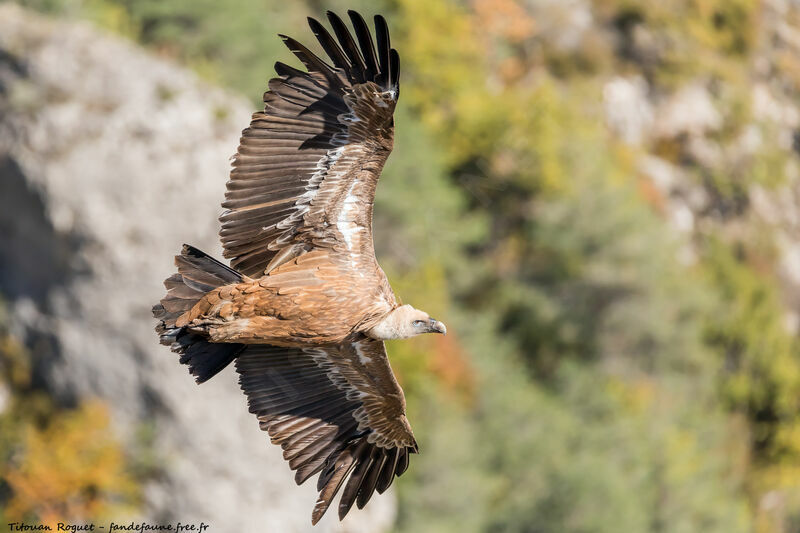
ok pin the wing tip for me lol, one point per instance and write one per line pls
(360, 62)
(314, 24)
(370, 469)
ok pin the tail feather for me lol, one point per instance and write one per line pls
(204, 359)
(197, 274)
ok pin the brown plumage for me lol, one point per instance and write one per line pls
(304, 308)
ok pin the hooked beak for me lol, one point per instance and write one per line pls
(434, 326)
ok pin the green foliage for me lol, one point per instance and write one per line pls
(604, 454)
(762, 371)
(593, 287)
(686, 38)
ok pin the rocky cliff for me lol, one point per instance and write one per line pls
(721, 154)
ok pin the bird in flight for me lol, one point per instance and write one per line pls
(304, 308)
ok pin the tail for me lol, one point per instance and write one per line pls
(197, 274)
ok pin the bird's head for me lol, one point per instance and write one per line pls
(405, 322)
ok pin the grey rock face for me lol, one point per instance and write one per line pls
(110, 159)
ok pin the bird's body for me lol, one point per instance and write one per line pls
(301, 302)
(304, 308)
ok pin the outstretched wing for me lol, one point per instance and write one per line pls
(336, 410)
(306, 169)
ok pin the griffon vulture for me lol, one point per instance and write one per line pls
(304, 307)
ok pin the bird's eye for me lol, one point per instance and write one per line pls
(418, 323)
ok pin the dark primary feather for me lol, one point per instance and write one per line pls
(384, 45)
(354, 483)
(311, 61)
(386, 475)
(329, 44)
(370, 480)
(365, 42)
(358, 69)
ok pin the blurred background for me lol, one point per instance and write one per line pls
(600, 198)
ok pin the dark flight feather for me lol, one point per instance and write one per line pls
(366, 44)
(349, 46)
(384, 45)
(370, 480)
(329, 44)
